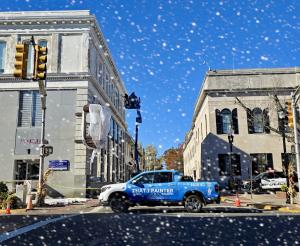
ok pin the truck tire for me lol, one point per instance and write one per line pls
(118, 204)
(193, 204)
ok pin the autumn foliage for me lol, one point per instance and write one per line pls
(174, 158)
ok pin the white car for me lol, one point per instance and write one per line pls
(272, 180)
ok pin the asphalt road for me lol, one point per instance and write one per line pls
(157, 227)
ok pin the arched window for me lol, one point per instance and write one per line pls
(2, 55)
(258, 120)
(226, 120)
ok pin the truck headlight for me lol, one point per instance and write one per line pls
(104, 188)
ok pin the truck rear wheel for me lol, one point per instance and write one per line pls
(118, 204)
(193, 204)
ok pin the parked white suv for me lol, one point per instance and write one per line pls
(271, 180)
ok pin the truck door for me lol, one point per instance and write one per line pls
(163, 188)
(138, 188)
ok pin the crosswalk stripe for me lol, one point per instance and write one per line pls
(8, 235)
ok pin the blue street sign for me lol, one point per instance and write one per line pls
(59, 165)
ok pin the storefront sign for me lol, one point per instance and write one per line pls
(59, 165)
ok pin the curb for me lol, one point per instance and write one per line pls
(287, 209)
(271, 207)
(13, 211)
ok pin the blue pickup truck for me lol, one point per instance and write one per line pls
(156, 188)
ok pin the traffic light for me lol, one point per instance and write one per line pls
(290, 118)
(40, 60)
(46, 150)
(21, 61)
(132, 101)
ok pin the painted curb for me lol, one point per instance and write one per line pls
(287, 209)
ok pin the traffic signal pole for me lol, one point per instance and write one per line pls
(39, 74)
(136, 154)
(40, 200)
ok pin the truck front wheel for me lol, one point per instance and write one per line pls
(193, 204)
(118, 204)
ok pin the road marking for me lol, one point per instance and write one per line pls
(100, 209)
(8, 235)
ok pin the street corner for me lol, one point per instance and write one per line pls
(4, 212)
(275, 207)
(290, 209)
(234, 201)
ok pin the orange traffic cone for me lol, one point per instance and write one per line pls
(237, 201)
(7, 211)
(29, 203)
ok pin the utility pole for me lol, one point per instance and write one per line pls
(230, 140)
(39, 74)
(295, 100)
(134, 102)
(282, 115)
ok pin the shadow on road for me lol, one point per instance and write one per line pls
(207, 210)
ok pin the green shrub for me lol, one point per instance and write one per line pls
(12, 199)
(284, 188)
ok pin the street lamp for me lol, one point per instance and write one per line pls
(134, 102)
(282, 115)
(230, 140)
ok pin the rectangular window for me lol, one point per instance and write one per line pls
(27, 170)
(2, 56)
(229, 164)
(106, 81)
(30, 112)
(163, 177)
(261, 162)
(100, 73)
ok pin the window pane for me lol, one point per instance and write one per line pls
(2, 56)
(146, 178)
(226, 120)
(24, 118)
(30, 57)
(258, 121)
(229, 164)
(163, 177)
(36, 109)
(261, 162)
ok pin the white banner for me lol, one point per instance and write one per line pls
(99, 124)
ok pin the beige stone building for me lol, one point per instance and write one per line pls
(254, 123)
(80, 70)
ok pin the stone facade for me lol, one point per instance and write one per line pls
(207, 150)
(80, 70)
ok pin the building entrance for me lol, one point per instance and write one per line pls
(27, 170)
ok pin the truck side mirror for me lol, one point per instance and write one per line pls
(137, 183)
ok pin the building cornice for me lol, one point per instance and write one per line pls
(106, 52)
(259, 71)
(32, 23)
(50, 77)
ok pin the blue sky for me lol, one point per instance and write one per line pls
(163, 49)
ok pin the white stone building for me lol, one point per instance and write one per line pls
(217, 110)
(80, 71)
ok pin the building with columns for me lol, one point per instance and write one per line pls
(80, 70)
(239, 103)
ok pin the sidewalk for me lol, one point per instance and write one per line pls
(266, 201)
(59, 206)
